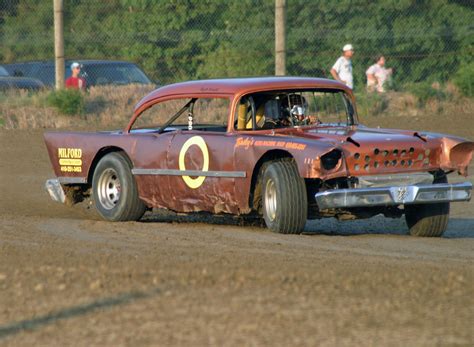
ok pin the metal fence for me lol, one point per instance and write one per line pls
(175, 40)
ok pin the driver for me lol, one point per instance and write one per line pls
(295, 109)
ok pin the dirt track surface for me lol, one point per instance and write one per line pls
(67, 278)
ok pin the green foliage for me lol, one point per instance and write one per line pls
(424, 92)
(372, 104)
(67, 101)
(185, 39)
(464, 79)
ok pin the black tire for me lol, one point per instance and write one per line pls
(285, 204)
(115, 190)
(428, 220)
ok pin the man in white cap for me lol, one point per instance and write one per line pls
(75, 81)
(342, 69)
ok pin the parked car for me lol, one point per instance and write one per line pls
(285, 148)
(8, 82)
(95, 72)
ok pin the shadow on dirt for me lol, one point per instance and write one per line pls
(74, 311)
(378, 225)
(164, 216)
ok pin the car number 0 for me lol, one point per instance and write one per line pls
(198, 141)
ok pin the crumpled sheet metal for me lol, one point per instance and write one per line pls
(456, 155)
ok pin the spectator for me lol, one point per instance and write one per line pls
(75, 81)
(342, 69)
(377, 75)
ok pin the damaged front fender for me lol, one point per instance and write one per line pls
(457, 154)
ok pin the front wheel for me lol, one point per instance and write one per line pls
(428, 220)
(115, 190)
(285, 204)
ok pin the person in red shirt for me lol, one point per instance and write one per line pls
(75, 81)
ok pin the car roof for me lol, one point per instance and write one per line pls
(240, 86)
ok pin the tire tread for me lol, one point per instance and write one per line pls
(292, 214)
(428, 220)
(133, 208)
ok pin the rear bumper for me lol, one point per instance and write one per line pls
(397, 195)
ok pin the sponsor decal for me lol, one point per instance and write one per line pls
(194, 183)
(244, 142)
(70, 159)
(247, 142)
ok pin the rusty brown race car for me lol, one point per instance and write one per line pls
(285, 148)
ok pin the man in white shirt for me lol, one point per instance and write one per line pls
(377, 75)
(342, 69)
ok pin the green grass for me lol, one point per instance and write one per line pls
(67, 101)
(371, 104)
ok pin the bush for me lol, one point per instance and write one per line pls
(67, 101)
(425, 91)
(464, 79)
(371, 104)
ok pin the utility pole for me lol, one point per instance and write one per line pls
(280, 37)
(59, 43)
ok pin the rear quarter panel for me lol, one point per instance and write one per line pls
(72, 153)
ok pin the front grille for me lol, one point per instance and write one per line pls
(390, 159)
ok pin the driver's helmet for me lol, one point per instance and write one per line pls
(296, 105)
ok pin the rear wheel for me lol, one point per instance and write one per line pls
(428, 220)
(285, 205)
(114, 189)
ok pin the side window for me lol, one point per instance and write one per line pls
(160, 113)
(212, 111)
(243, 118)
(205, 114)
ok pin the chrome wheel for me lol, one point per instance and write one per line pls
(109, 188)
(270, 199)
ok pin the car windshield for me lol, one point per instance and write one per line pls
(101, 74)
(294, 108)
(3, 72)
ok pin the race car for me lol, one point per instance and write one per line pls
(284, 148)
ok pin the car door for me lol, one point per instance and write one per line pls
(149, 150)
(201, 157)
(149, 160)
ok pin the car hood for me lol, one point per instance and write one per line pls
(20, 83)
(360, 136)
(374, 150)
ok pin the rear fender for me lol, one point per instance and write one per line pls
(100, 154)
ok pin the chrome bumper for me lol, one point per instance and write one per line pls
(398, 195)
(55, 190)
